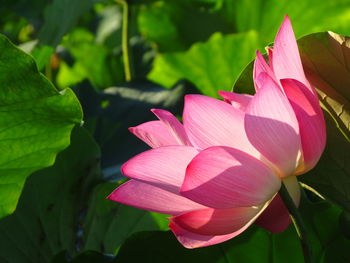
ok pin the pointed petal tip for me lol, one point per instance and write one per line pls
(173, 125)
(124, 168)
(189, 96)
(286, 25)
(236, 100)
(155, 111)
(286, 21)
(222, 93)
(113, 196)
(160, 113)
(258, 53)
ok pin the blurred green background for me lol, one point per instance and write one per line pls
(207, 42)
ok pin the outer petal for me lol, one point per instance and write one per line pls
(311, 122)
(260, 66)
(174, 126)
(211, 122)
(164, 167)
(286, 59)
(192, 240)
(275, 217)
(154, 133)
(238, 101)
(273, 129)
(152, 198)
(217, 221)
(232, 177)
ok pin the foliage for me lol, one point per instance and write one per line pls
(36, 120)
(63, 208)
(211, 66)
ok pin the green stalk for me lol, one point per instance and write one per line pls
(298, 224)
(125, 39)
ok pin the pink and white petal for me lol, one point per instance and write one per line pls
(232, 177)
(311, 122)
(211, 122)
(238, 101)
(149, 197)
(260, 66)
(286, 58)
(154, 133)
(215, 222)
(275, 217)
(272, 127)
(192, 240)
(174, 126)
(164, 167)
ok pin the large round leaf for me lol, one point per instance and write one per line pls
(47, 217)
(326, 61)
(62, 213)
(265, 16)
(211, 66)
(35, 121)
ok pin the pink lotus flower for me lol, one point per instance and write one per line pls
(222, 169)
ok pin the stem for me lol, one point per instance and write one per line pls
(125, 39)
(298, 224)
